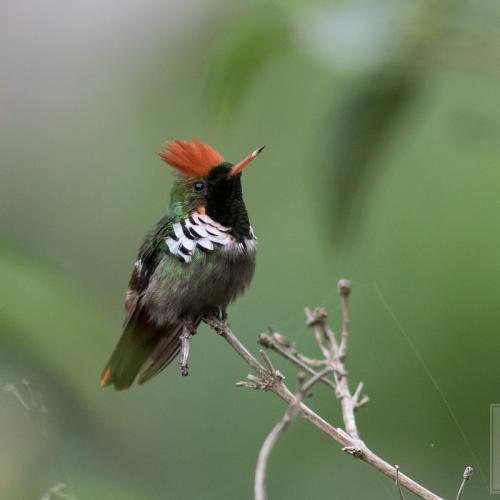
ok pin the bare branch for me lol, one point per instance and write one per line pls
(222, 328)
(348, 402)
(317, 320)
(344, 287)
(267, 361)
(466, 476)
(272, 438)
(335, 356)
(276, 385)
(311, 362)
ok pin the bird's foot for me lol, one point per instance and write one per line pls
(217, 320)
(219, 313)
(188, 330)
(216, 324)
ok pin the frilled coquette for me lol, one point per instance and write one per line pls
(196, 260)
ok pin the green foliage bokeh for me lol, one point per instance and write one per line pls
(396, 190)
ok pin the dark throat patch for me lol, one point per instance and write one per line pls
(225, 201)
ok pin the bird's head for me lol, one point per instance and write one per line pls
(205, 181)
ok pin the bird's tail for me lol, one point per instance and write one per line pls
(143, 347)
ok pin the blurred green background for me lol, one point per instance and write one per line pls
(382, 126)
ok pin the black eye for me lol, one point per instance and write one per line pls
(199, 186)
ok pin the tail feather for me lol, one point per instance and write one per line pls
(139, 342)
(163, 354)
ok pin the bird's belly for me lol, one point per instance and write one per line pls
(193, 289)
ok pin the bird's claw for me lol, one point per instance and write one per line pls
(216, 323)
(188, 330)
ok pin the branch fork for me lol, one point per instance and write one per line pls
(267, 380)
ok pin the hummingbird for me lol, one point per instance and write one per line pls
(192, 264)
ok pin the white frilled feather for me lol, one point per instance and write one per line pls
(207, 234)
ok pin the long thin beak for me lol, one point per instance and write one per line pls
(244, 163)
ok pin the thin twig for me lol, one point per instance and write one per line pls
(398, 486)
(344, 287)
(316, 319)
(270, 441)
(336, 356)
(349, 444)
(358, 390)
(288, 352)
(312, 362)
(267, 361)
(348, 402)
(466, 476)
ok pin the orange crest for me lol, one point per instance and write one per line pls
(193, 159)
